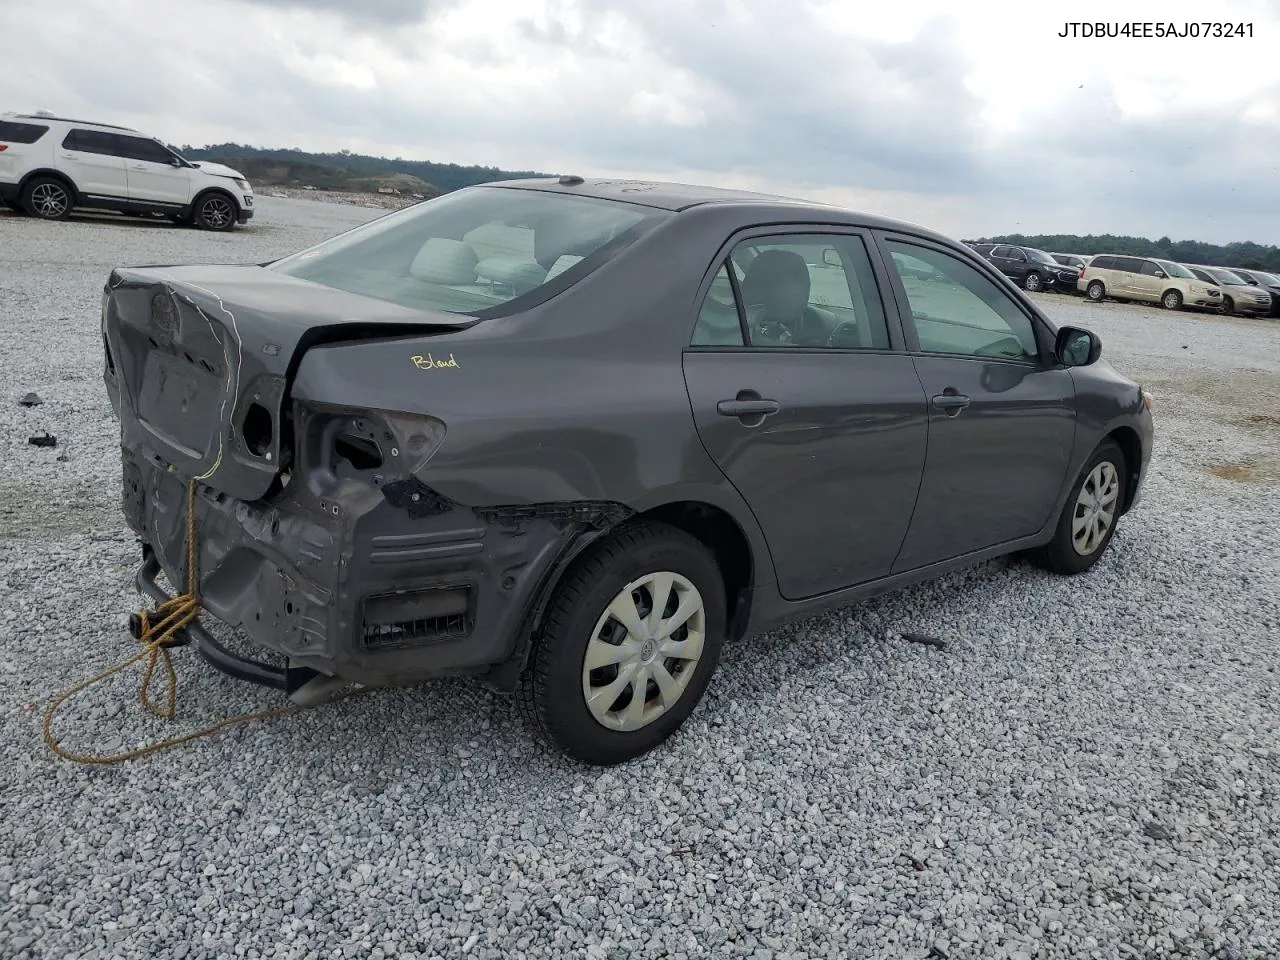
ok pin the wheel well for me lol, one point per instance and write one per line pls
(1127, 439)
(52, 175)
(720, 534)
(208, 190)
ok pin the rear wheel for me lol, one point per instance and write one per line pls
(47, 198)
(214, 211)
(1172, 300)
(628, 645)
(1088, 519)
(1095, 291)
(1033, 282)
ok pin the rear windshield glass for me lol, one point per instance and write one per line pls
(472, 250)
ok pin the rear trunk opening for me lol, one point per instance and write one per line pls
(198, 362)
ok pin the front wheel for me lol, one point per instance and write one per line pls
(1088, 519)
(1033, 282)
(628, 645)
(1172, 300)
(1228, 306)
(1096, 291)
(214, 211)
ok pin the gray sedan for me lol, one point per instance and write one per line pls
(575, 437)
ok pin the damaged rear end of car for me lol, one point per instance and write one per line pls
(318, 535)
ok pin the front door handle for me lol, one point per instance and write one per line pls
(747, 408)
(140, 166)
(950, 403)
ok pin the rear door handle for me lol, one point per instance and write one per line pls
(139, 166)
(952, 403)
(747, 408)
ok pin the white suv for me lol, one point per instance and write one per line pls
(51, 165)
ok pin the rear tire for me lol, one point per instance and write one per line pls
(1172, 300)
(1089, 517)
(214, 211)
(1096, 291)
(628, 573)
(48, 198)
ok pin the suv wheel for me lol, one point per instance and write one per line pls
(47, 198)
(1088, 519)
(1033, 282)
(1096, 291)
(214, 211)
(628, 645)
(1172, 300)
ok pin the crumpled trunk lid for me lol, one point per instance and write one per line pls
(198, 361)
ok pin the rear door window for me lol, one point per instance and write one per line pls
(797, 290)
(1128, 265)
(93, 141)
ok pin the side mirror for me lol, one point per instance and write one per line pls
(1161, 274)
(175, 162)
(831, 258)
(1075, 347)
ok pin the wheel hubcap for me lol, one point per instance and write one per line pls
(49, 200)
(643, 651)
(1033, 282)
(217, 212)
(1095, 509)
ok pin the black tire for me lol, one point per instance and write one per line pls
(1172, 300)
(214, 210)
(1228, 306)
(1033, 282)
(48, 198)
(552, 687)
(1060, 554)
(1095, 291)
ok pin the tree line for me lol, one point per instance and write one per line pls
(344, 164)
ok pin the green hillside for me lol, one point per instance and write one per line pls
(348, 171)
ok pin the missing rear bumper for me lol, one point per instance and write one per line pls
(288, 679)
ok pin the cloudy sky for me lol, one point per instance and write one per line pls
(971, 118)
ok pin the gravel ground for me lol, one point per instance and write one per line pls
(1091, 768)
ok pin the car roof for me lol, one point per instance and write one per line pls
(49, 118)
(675, 197)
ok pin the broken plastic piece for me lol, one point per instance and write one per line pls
(43, 440)
(30, 400)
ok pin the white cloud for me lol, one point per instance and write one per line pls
(972, 119)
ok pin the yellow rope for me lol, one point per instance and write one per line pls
(158, 627)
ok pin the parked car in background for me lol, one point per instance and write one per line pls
(1265, 281)
(1238, 294)
(792, 407)
(50, 166)
(1147, 280)
(1032, 269)
(1079, 260)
